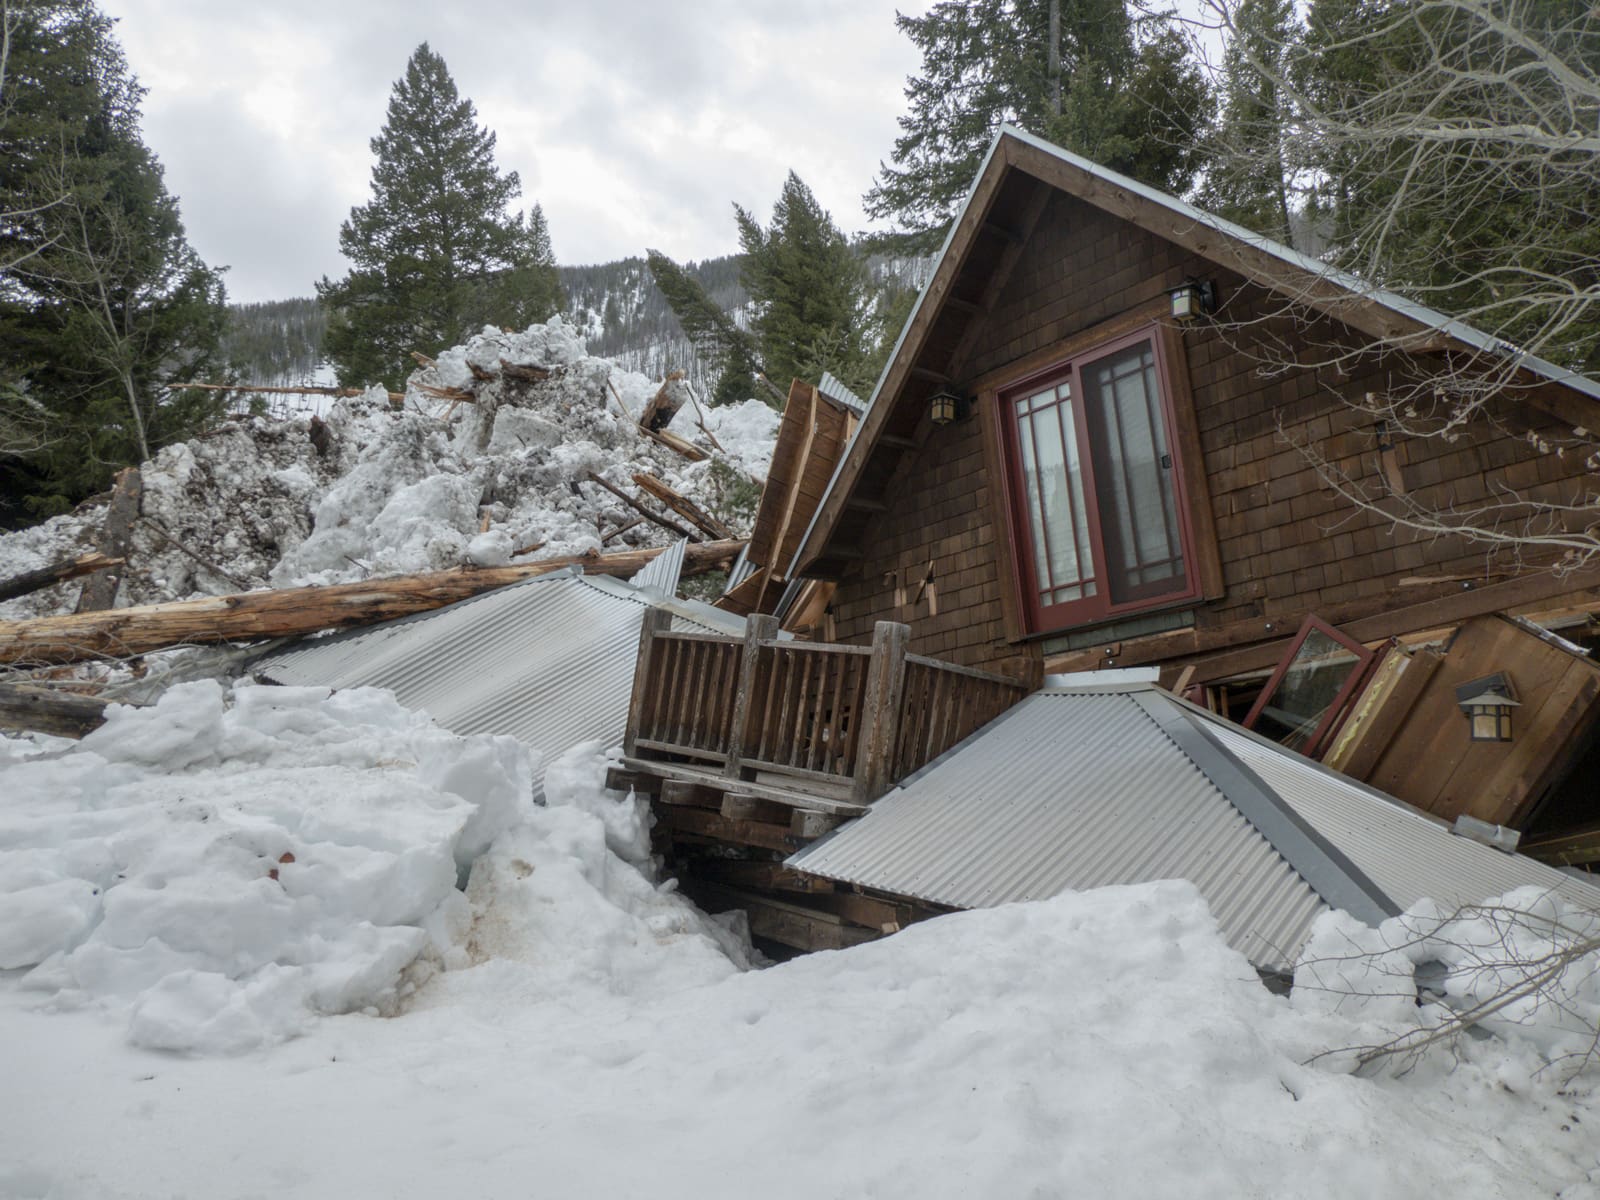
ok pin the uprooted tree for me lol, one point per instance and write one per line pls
(1447, 150)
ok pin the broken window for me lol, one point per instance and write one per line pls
(1312, 688)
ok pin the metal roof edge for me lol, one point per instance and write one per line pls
(1321, 864)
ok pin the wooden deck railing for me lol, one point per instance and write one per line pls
(845, 721)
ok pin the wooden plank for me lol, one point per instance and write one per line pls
(620, 779)
(770, 876)
(794, 797)
(689, 795)
(789, 924)
(807, 823)
(1383, 712)
(49, 710)
(255, 616)
(742, 806)
(100, 589)
(710, 824)
(884, 916)
(1570, 848)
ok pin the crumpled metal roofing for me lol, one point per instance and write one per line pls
(549, 660)
(1078, 788)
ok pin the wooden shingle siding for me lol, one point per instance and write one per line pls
(1287, 542)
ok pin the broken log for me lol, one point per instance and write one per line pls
(524, 372)
(49, 710)
(100, 590)
(422, 360)
(664, 405)
(683, 506)
(675, 443)
(648, 514)
(253, 616)
(280, 390)
(56, 572)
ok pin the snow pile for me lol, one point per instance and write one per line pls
(1526, 966)
(1099, 1044)
(220, 866)
(256, 503)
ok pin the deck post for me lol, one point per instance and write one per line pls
(886, 679)
(758, 628)
(656, 620)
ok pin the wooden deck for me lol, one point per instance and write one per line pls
(751, 747)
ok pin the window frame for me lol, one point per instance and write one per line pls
(1026, 614)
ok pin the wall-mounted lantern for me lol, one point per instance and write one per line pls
(1193, 297)
(945, 406)
(1488, 703)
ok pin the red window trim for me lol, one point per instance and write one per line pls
(1037, 617)
(1339, 708)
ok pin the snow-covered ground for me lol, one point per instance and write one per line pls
(254, 503)
(256, 978)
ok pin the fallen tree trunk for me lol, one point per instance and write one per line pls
(280, 390)
(683, 506)
(252, 616)
(57, 572)
(47, 710)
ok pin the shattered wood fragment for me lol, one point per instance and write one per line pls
(100, 591)
(664, 522)
(527, 550)
(49, 710)
(460, 395)
(621, 529)
(683, 506)
(675, 443)
(480, 373)
(254, 616)
(321, 436)
(56, 572)
(621, 403)
(422, 360)
(664, 405)
(523, 373)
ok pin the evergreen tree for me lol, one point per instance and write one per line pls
(435, 254)
(812, 298)
(715, 335)
(1454, 144)
(102, 301)
(1250, 177)
(1077, 72)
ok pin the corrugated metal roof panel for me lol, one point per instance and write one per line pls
(1406, 852)
(1072, 791)
(834, 389)
(662, 571)
(549, 661)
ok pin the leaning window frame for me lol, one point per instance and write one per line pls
(1025, 615)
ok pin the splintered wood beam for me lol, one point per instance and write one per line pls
(100, 590)
(56, 572)
(523, 373)
(254, 616)
(638, 507)
(665, 437)
(49, 710)
(780, 921)
(683, 506)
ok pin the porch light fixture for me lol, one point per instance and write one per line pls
(1488, 703)
(945, 406)
(1193, 297)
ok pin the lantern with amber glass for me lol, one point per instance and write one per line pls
(1488, 703)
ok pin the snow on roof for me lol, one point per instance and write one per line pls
(549, 660)
(1083, 787)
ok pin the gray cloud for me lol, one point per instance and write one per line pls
(634, 124)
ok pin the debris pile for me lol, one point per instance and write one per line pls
(513, 447)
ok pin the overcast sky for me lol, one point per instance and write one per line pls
(634, 123)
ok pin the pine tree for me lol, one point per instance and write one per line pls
(435, 254)
(1129, 98)
(103, 301)
(1250, 179)
(812, 299)
(715, 335)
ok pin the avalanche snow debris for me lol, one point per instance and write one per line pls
(401, 492)
(220, 866)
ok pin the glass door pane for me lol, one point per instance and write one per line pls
(1134, 477)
